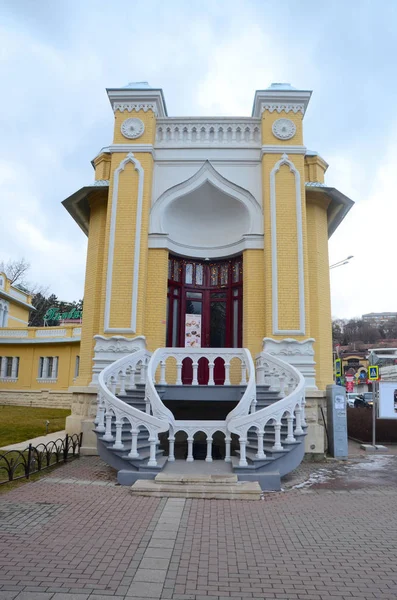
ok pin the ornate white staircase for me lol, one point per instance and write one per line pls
(260, 438)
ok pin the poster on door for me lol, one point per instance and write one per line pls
(192, 331)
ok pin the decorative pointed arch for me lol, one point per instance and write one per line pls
(284, 160)
(206, 215)
(137, 250)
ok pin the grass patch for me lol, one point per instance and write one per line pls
(20, 423)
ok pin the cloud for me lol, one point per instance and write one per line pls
(57, 58)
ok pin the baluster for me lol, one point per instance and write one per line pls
(195, 369)
(228, 441)
(266, 373)
(243, 373)
(113, 385)
(260, 453)
(143, 371)
(253, 406)
(133, 453)
(189, 133)
(101, 418)
(118, 444)
(291, 385)
(211, 380)
(189, 450)
(298, 423)
(290, 432)
(282, 385)
(153, 440)
(108, 437)
(132, 384)
(162, 373)
(243, 458)
(208, 458)
(303, 412)
(178, 373)
(122, 391)
(171, 450)
(147, 405)
(227, 371)
(277, 432)
(260, 370)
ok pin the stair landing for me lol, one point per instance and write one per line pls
(210, 486)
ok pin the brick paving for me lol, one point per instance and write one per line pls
(77, 535)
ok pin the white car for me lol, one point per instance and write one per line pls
(350, 397)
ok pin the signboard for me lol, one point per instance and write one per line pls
(53, 314)
(349, 386)
(192, 331)
(388, 400)
(338, 367)
(373, 373)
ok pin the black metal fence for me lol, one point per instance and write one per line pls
(21, 464)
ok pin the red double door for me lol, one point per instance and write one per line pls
(204, 310)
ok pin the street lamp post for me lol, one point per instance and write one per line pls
(341, 262)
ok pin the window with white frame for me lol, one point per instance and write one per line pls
(48, 368)
(3, 313)
(9, 368)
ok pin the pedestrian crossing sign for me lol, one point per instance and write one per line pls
(373, 373)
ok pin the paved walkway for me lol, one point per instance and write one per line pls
(77, 535)
(43, 439)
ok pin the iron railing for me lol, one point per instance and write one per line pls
(21, 464)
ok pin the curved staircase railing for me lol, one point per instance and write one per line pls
(238, 372)
(290, 384)
(128, 370)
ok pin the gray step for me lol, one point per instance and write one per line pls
(194, 487)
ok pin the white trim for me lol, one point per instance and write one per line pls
(278, 149)
(19, 320)
(7, 296)
(137, 250)
(129, 147)
(273, 218)
(249, 241)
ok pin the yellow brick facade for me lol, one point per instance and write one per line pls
(110, 281)
(320, 305)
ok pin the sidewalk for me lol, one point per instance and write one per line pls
(43, 439)
(77, 535)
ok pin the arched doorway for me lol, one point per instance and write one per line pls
(204, 307)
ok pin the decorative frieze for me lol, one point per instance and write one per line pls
(50, 333)
(137, 106)
(298, 354)
(224, 132)
(13, 333)
(282, 107)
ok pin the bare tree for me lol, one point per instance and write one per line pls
(16, 271)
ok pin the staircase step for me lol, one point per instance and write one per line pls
(206, 486)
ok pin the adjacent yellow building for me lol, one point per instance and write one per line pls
(206, 232)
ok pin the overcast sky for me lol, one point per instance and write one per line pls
(58, 56)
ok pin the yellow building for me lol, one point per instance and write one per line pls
(37, 364)
(207, 250)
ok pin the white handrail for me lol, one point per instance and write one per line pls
(160, 356)
(292, 404)
(248, 399)
(109, 405)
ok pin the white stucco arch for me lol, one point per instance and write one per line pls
(206, 216)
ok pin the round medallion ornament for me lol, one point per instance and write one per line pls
(132, 128)
(284, 129)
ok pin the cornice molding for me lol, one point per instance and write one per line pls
(285, 148)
